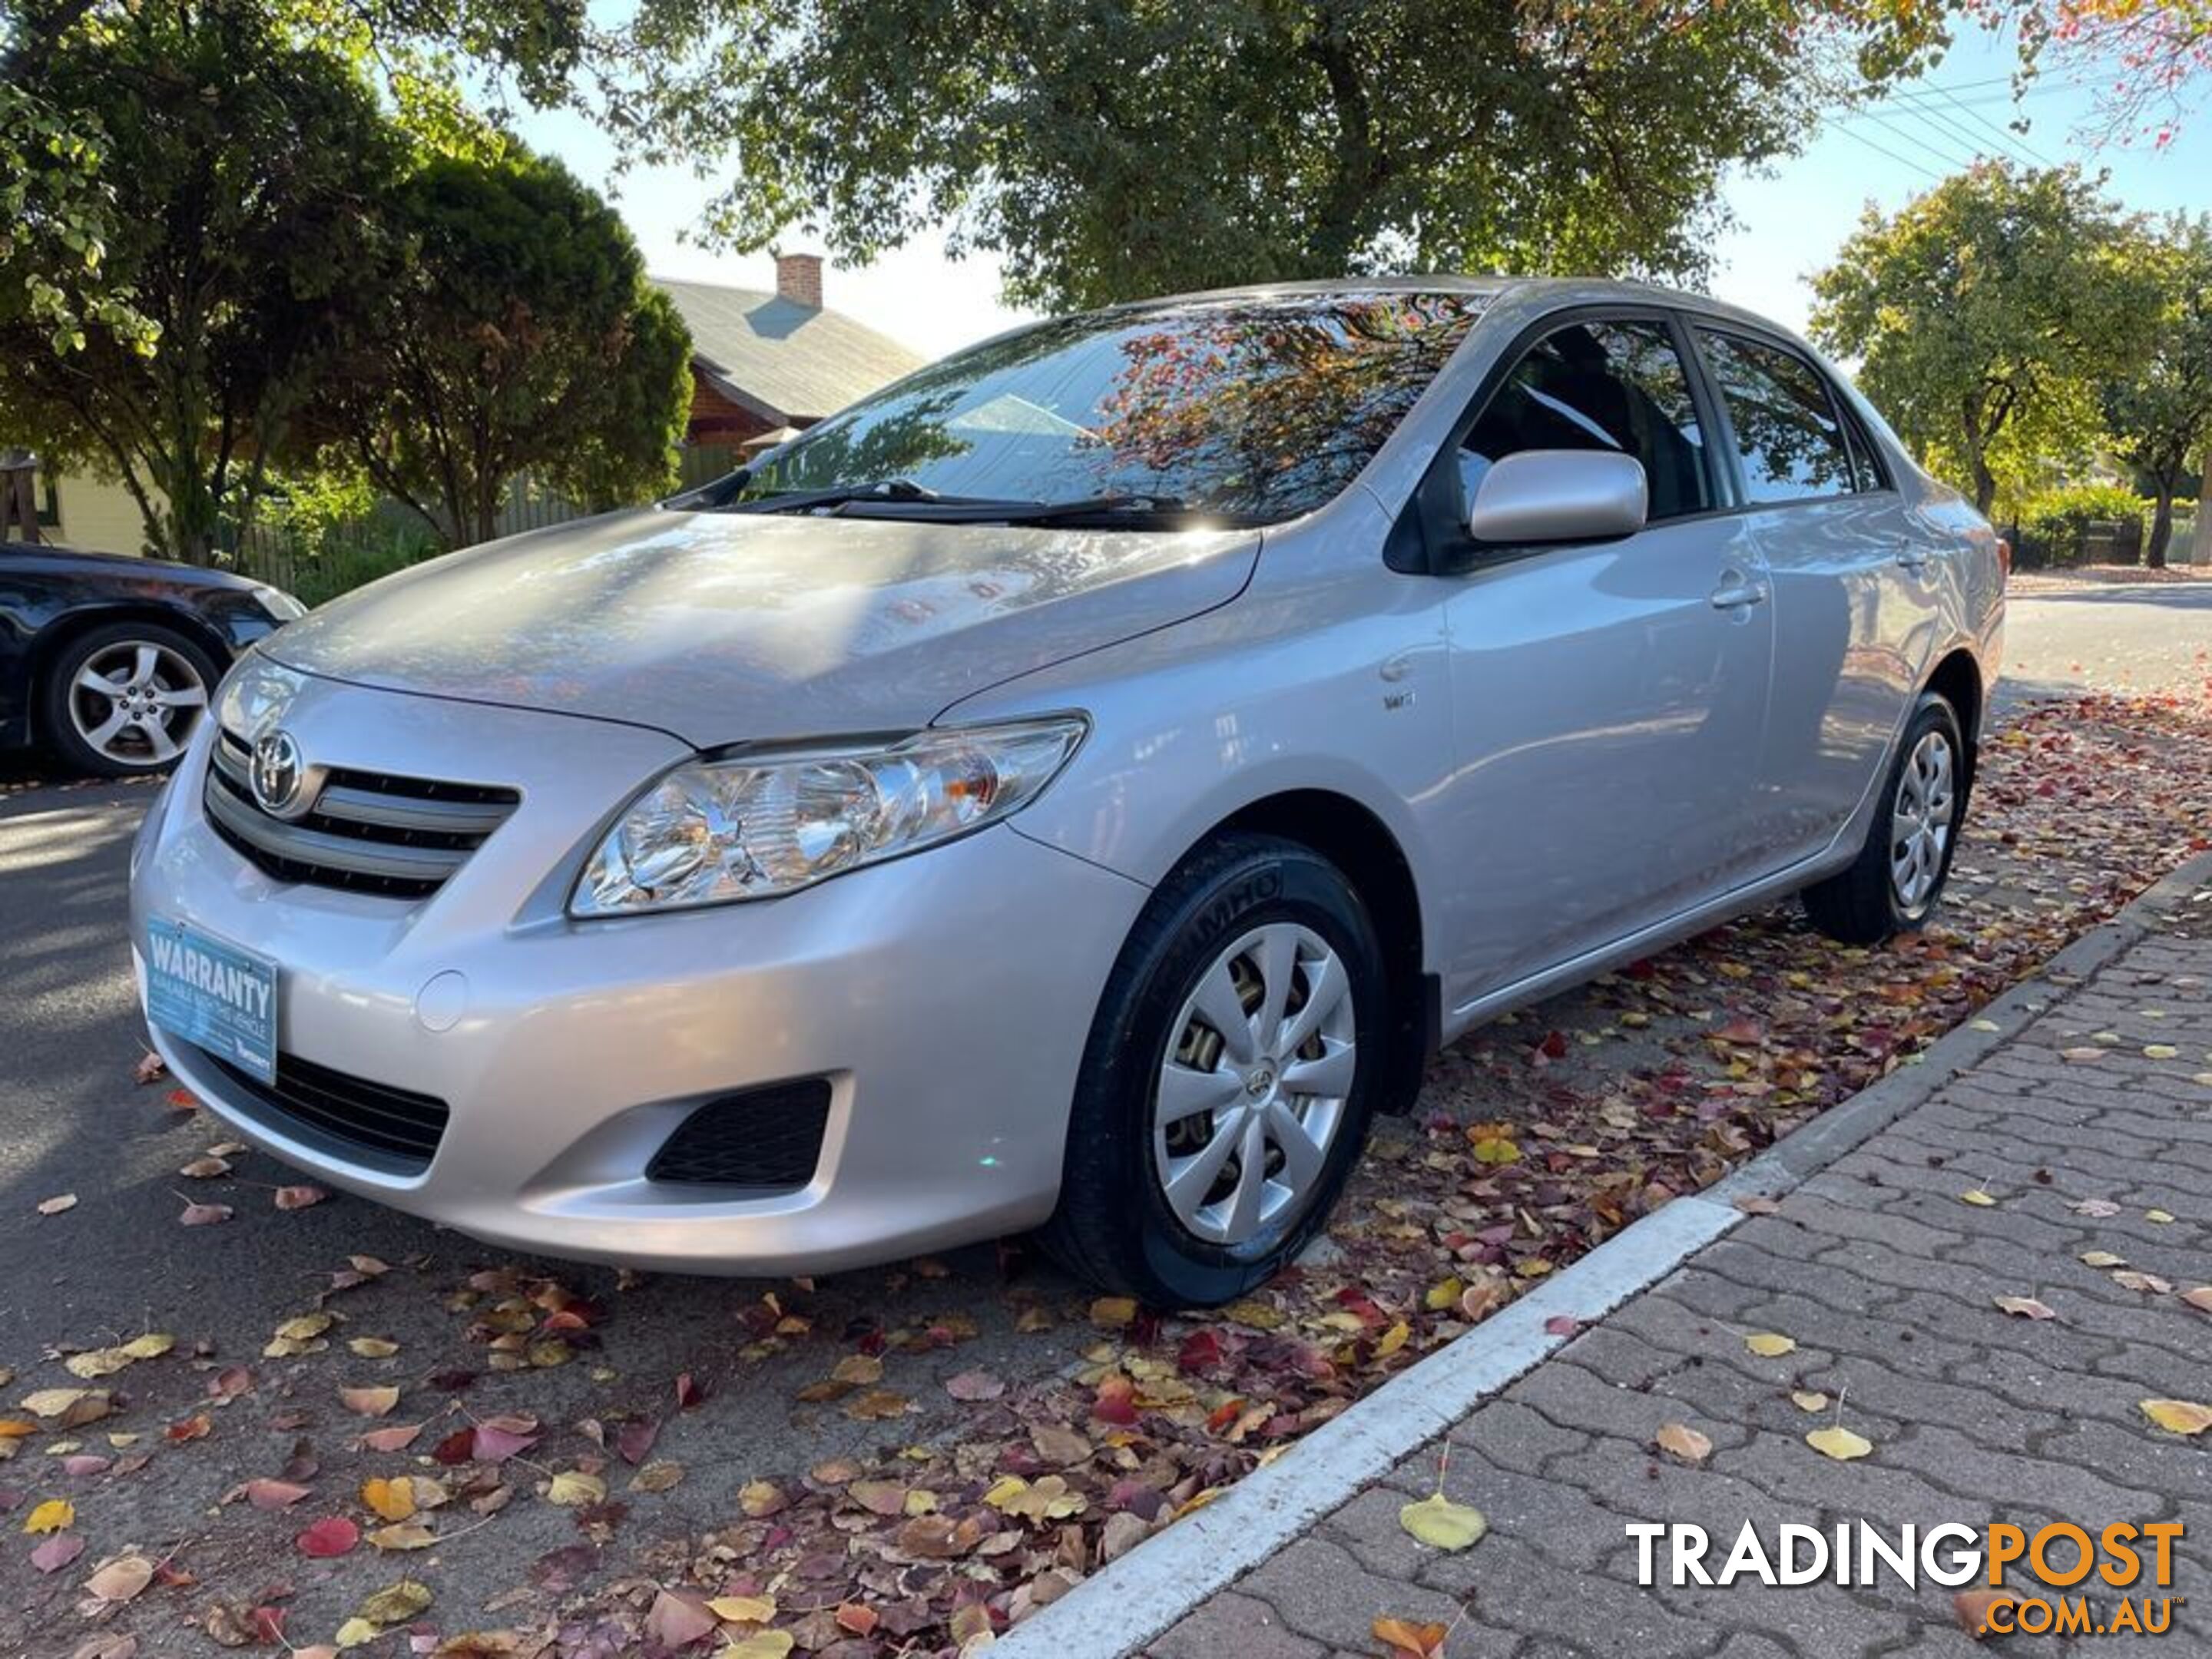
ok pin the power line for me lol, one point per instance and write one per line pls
(1936, 121)
(1925, 146)
(1884, 150)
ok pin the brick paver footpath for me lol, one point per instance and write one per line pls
(1885, 1276)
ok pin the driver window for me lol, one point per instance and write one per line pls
(1618, 385)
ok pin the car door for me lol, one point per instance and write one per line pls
(1855, 596)
(1608, 700)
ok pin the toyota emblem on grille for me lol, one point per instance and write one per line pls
(279, 774)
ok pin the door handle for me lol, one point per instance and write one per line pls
(1738, 591)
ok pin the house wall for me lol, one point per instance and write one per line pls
(98, 517)
(716, 420)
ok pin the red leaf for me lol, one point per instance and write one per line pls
(1201, 1352)
(332, 1535)
(688, 1392)
(57, 1552)
(1554, 1045)
(273, 1494)
(635, 1440)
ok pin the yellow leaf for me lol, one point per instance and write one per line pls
(1838, 1442)
(1442, 1524)
(55, 1514)
(1496, 1149)
(2158, 1216)
(2178, 1416)
(1112, 1311)
(2160, 1051)
(761, 1645)
(392, 1500)
(1767, 1345)
(1977, 1198)
(1809, 1399)
(356, 1632)
(2103, 1259)
(1681, 1440)
(743, 1609)
(152, 1346)
(572, 1488)
(1443, 1295)
(1392, 1339)
(373, 1347)
(406, 1536)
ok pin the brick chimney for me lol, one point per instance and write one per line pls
(798, 279)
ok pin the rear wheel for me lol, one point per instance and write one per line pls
(125, 698)
(1893, 885)
(1230, 1073)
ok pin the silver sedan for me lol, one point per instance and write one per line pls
(1075, 786)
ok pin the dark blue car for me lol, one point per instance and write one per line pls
(110, 660)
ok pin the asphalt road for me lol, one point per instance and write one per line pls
(72, 1121)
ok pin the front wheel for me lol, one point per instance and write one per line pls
(124, 700)
(1229, 1078)
(1893, 885)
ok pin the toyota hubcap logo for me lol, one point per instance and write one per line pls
(277, 774)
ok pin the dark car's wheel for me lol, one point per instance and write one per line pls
(125, 698)
(1893, 885)
(1236, 1055)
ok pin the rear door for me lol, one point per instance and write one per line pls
(1608, 700)
(1855, 597)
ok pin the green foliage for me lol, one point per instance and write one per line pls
(2049, 526)
(2160, 413)
(513, 330)
(237, 176)
(1109, 151)
(1986, 312)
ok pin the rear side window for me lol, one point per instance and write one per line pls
(1619, 385)
(1787, 429)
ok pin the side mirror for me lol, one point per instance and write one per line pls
(1558, 495)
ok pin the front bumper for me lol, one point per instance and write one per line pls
(947, 997)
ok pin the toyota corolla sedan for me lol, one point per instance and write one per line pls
(1072, 788)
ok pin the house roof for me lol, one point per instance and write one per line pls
(789, 362)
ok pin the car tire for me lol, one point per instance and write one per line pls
(1895, 883)
(157, 686)
(1151, 1205)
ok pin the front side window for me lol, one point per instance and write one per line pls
(1786, 426)
(1619, 385)
(1263, 408)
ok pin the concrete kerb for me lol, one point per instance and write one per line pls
(1136, 1599)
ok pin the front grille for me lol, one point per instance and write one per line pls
(767, 1139)
(370, 832)
(395, 1130)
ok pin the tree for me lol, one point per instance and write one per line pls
(1109, 151)
(232, 190)
(514, 332)
(2161, 414)
(1985, 312)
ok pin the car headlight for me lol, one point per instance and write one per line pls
(753, 826)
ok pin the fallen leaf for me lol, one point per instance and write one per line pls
(55, 1514)
(1972, 1608)
(2200, 1298)
(332, 1535)
(2161, 1051)
(1113, 1311)
(403, 1535)
(396, 1603)
(370, 1401)
(1442, 1524)
(373, 1347)
(2158, 1217)
(1838, 1442)
(743, 1609)
(1408, 1640)
(1562, 1325)
(268, 1494)
(676, 1621)
(2149, 1284)
(398, 1438)
(974, 1385)
(204, 1215)
(57, 1203)
(2183, 1417)
(762, 1498)
(1769, 1344)
(1760, 1204)
(300, 1197)
(150, 1066)
(2102, 1258)
(2098, 1208)
(1809, 1399)
(2025, 1307)
(206, 1168)
(392, 1500)
(1976, 1197)
(766, 1644)
(57, 1552)
(1679, 1440)
(120, 1579)
(572, 1488)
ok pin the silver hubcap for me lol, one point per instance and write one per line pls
(136, 703)
(1252, 1092)
(1920, 824)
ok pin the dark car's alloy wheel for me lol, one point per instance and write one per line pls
(127, 697)
(1231, 1069)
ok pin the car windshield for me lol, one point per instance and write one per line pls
(1257, 409)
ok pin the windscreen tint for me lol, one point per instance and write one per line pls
(1263, 408)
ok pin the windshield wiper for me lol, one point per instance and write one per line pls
(893, 492)
(1126, 508)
